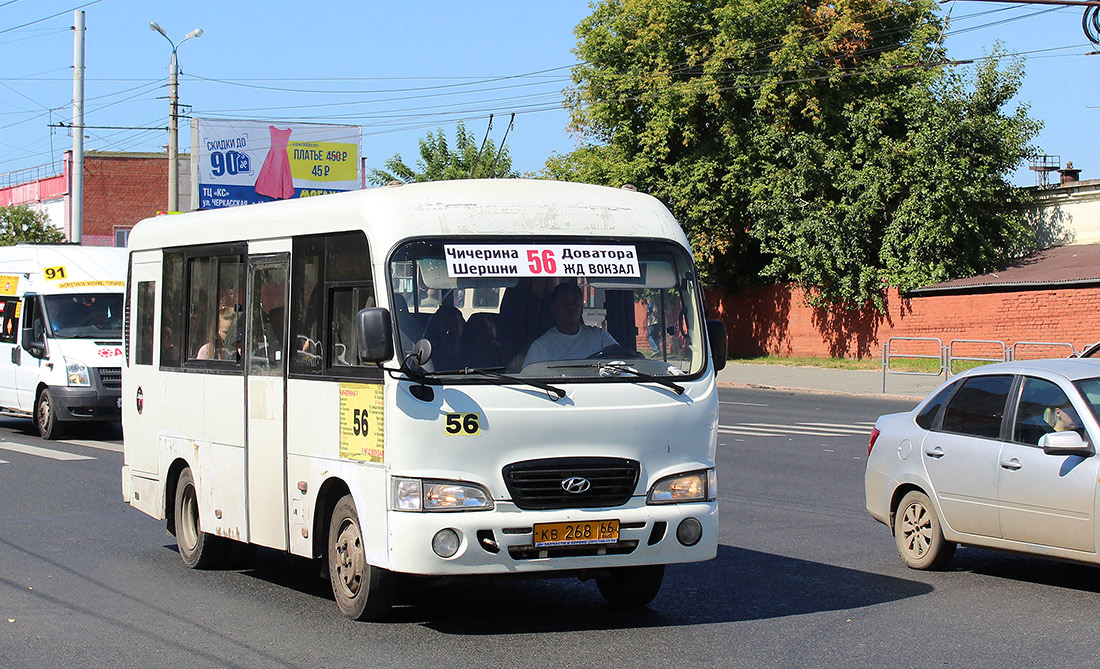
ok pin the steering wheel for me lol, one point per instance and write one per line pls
(614, 351)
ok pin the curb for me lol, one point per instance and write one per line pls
(819, 391)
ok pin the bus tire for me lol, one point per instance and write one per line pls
(631, 587)
(362, 591)
(198, 549)
(45, 416)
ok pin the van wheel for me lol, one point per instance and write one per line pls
(362, 592)
(45, 418)
(631, 587)
(199, 550)
(918, 534)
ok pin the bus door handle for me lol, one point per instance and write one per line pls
(15, 355)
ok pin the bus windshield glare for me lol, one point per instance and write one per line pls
(554, 310)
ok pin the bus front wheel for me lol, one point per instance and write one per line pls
(362, 591)
(45, 416)
(631, 587)
(199, 550)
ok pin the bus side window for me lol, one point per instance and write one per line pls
(330, 282)
(9, 331)
(146, 300)
(172, 310)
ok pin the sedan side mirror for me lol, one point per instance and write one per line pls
(716, 335)
(374, 334)
(1065, 443)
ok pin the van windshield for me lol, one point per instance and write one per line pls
(85, 316)
(555, 310)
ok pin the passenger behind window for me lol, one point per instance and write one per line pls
(444, 331)
(481, 345)
(1063, 418)
(223, 345)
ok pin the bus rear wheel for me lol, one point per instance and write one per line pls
(362, 591)
(631, 587)
(199, 550)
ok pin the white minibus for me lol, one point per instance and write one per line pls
(61, 333)
(467, 378)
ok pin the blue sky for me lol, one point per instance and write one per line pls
(403, 69)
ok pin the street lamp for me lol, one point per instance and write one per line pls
(173, 117)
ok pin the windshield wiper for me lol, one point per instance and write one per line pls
(619, 368)
(494, 372)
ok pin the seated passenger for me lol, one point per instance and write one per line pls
(569, 339)
(481, 345)
(444, 331)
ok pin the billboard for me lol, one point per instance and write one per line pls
(244, 162)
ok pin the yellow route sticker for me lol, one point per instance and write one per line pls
(9, 284)
(54, 273)
(361, 420)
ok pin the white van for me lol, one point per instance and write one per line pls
(467, 378)
(61, 333)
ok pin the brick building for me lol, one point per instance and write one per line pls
(120, 189)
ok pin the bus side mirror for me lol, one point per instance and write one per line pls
(35, 345)
(374, 334)
(716, 335)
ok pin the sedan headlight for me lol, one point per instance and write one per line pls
(697, 486)
(78, 373)
(426, 495)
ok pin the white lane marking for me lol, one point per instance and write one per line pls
(800, 429)
(859, 423)
(41, 452)
(745, 404)
(751, 433)
(101, 445)
(4, 462)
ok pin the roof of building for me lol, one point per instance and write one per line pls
(1057, 267)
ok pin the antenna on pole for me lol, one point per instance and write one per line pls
(511, 124)
(485, 139)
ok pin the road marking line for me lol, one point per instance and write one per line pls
(4, 462)
(751, 433)
(798, 429)
(41, 452)
(746, 404)
(101, 445)
(850, 426)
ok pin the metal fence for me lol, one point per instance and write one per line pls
(945, 357)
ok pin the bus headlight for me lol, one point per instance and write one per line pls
(697, 486)
(78, 373)
(426, 495)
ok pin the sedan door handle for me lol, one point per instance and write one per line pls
(934, 452)
(1011, 464)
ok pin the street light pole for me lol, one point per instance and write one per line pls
(173, 117)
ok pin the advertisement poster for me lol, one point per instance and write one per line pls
(245, 162)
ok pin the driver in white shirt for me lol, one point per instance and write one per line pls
(570, 339)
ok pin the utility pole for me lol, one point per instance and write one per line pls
(76, 214)
(173, 117)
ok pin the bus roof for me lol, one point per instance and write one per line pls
(440, 208)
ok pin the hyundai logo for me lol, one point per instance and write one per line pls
(576, 485)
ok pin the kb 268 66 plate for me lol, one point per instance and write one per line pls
(576, 534)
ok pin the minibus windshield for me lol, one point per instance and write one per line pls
(603, 310)
(85, 316)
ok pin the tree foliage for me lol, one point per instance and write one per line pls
(438, 161)
(20, 223)
(826, 143)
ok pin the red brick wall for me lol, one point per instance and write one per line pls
(120, 191)
(776, 320)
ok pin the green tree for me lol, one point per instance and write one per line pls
(438, 161)
(826, 143)
(20, 223)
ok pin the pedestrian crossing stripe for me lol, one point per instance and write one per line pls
(27, 449)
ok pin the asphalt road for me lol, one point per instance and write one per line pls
(804, 577)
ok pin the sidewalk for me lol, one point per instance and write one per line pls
(818, 379)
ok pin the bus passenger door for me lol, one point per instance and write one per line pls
(265, 376)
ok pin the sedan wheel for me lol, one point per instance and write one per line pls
(918, 534)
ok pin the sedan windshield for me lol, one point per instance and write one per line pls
(557, 310)
(1090, 390)
(85, 316)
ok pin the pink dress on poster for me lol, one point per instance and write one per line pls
(275, 180)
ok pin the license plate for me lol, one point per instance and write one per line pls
(577, 533)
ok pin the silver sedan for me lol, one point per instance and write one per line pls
(1002, 456)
